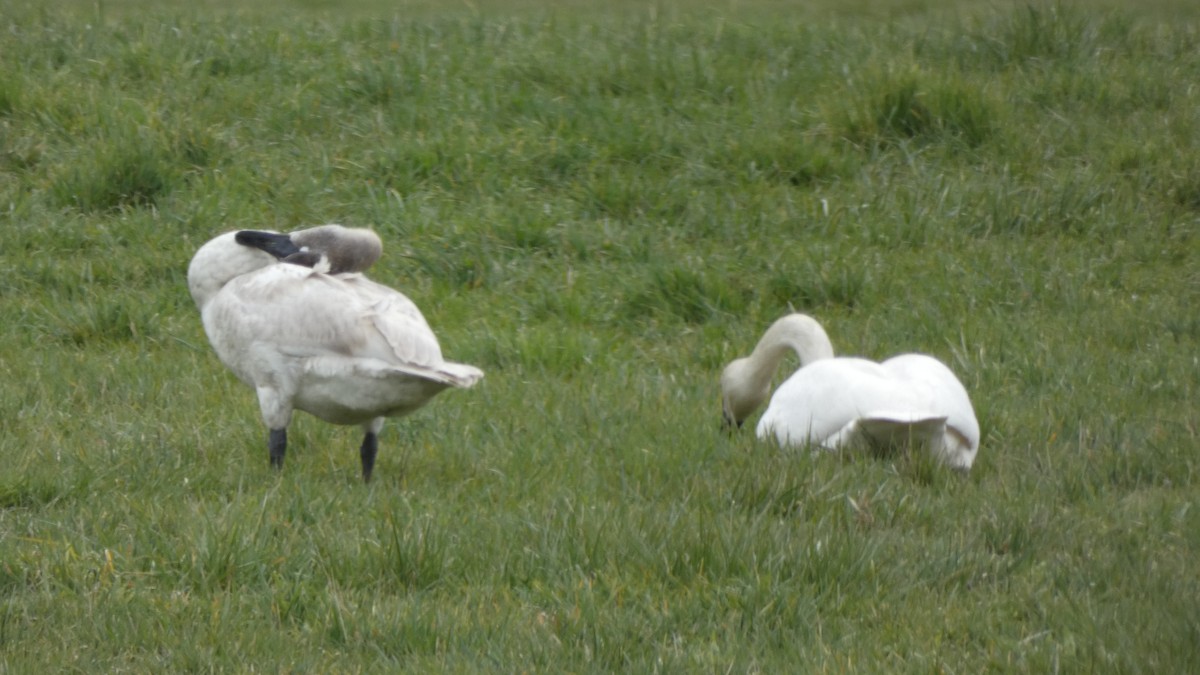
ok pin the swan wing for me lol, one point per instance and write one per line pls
(883, 429)
(940, 392)
(399, 323)
(821, 403)
(829, 401)
(403, 327)
(294, 311)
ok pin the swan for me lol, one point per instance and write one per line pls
(293, 316)
(907, 400)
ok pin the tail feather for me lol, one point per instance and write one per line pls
(446, 373)
(460, 374)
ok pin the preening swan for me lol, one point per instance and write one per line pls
(293, 316)
(911, 399)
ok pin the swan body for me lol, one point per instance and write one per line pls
(293, 316)
(910, 400)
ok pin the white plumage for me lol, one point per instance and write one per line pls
(293, 316)
(910, 400)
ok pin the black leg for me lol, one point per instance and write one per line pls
(277, 444)
(370, 446)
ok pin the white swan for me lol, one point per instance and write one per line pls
(317, 335)
(911, 399)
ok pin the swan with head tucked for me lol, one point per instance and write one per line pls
(293, 316)
(907, 400)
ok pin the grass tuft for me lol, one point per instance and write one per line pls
(11, 96)
(685, 294)
(911, 107)
(1043, 32)
(818, 285)
(127, 172)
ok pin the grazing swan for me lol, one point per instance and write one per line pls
(911, 399)
(293, 316)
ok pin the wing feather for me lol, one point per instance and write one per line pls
(942, 391)
(301, 312)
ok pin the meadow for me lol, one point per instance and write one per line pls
(600, 207)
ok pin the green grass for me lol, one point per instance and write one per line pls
(601, 208)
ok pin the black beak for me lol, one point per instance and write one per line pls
(278, 245)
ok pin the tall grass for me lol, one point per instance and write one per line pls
(601, 207)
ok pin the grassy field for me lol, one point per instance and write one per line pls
(600, 208)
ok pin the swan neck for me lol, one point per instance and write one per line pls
(217, 263)
(795, 333)
(746, 382)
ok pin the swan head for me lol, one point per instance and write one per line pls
(742, 392)
(331, 249)
(218, 262)
(347, 249)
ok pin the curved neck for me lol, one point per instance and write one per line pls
(219, 261)
(746, 382)
(796, 332)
